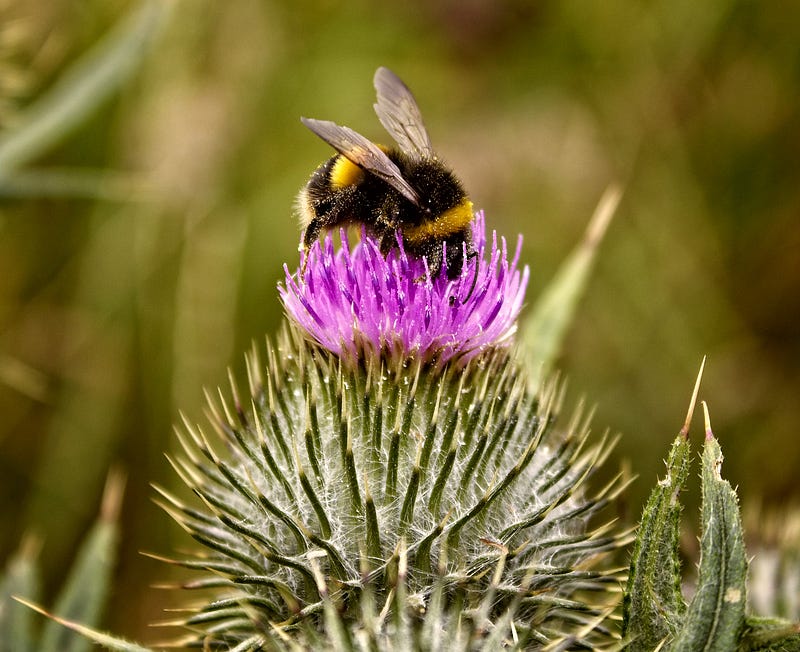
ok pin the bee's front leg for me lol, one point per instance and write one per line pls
(387, 225)
(328, 212)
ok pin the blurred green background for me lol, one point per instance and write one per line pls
(141, 241)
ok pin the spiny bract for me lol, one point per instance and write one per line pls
(385, 507)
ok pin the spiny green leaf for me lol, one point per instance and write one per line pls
(16, 621)
(109, 642)
(653, 600)
(770, 635)
(547, 324)
(86, 589)
(715, 617)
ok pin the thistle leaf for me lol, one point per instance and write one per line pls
(16, 621)
(86, 589)
(653, 601)
(546, 326)
(715, 617)
(770, 635)
(109, 642)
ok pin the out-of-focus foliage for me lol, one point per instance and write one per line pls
(139, 253)
(88, 582)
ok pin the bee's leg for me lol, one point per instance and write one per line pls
(328, 213)
(387, 238)
(471, 253)
(312, 232)
(432, 253)
(454, 255)
(386, 225)
(460, 250)
(310, 236)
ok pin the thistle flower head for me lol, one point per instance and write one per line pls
(421, 496)
(356, 301)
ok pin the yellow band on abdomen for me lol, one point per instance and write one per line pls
(451, 221)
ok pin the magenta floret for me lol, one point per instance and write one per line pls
(356, 302)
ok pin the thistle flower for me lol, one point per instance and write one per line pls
(423, 498)
(356, 301)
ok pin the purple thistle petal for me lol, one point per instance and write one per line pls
(356, 302)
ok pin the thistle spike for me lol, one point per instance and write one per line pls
(453, 473)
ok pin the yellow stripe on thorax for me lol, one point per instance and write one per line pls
(451, 221)
(345, 173)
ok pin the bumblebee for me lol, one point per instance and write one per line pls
(403, 191)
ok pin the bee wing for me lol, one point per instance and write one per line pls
(364, 153)
(400, 116)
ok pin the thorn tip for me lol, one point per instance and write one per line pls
(707, 419)
(685, 430)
